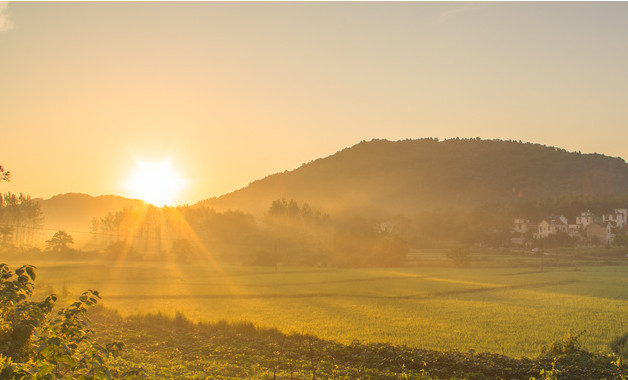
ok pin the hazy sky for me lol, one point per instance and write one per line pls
(232, 92)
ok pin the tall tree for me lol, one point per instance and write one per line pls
(22, 214)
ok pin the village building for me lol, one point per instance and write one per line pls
(600, 231)
(386, 227)
(585, 219)
(618, 217)
(574, 230)
(593, 228)
(552, 226)
(521, 226)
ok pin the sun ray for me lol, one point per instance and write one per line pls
(136, 221)
(156, 182)
(202, 254)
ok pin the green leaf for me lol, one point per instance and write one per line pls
(31, 273)
(66, 359)
(45, 369)
(45, 351)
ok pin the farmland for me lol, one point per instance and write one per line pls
(511, 311)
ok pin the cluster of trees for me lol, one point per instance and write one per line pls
(181, 233)
(567, 204)
(20, 217)
(289, 233)
(491, 224)
(141, 226)
(296, 233)
(362, 242)
(293, 233)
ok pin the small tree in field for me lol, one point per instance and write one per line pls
(459, 256)
(60, 242)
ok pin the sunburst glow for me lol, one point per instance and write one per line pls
(158, 183)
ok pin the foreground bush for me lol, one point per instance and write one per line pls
(619, 346)
(36, 343)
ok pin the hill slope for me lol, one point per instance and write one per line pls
(407, 176)
(74, 211)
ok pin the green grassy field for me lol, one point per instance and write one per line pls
(501, 310)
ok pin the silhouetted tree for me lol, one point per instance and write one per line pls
(60, 242)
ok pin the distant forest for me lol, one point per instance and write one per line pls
(296, 233)
(367, 205)
(384, 178)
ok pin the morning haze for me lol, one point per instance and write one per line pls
(356, 190)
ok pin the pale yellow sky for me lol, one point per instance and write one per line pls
(232, 92)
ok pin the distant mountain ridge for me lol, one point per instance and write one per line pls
(74, 211)
(381, 176)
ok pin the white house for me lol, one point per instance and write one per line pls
(521, 226)
(618, 218)
(573, 230)
(552, 226)
(386, 227)
(585, 219)
(603, 232)
(587, 224)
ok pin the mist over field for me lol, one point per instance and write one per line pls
(313, 190)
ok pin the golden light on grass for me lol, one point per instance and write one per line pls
(157, 182)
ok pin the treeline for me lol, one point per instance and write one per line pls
(491, 224)
(567, 204)
(294, 233)
(20, 218)
(188, 233)
(289, 233)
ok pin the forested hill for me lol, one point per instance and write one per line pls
(74, 211)
(381, 176)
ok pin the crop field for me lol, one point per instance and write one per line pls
(511, 311)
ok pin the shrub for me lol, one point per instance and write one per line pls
(37, 344)
(459, 256)
(568, 360)
(619, 346)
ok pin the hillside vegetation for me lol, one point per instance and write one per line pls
(74, 211)
(408, 176)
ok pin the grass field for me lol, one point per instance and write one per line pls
(501, 310)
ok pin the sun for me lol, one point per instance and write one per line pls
(157, 182)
